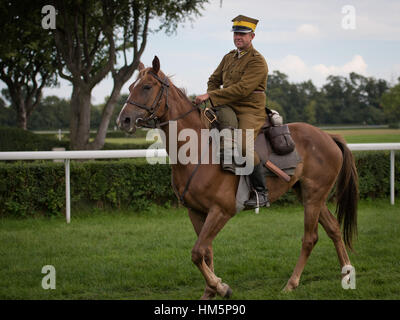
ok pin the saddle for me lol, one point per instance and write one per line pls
(277, 152)
(273, 144)
(276, 148)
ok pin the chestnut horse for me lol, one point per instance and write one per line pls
(210, 195)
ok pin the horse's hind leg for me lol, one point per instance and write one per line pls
(198, 220)
(214, 222)
(311, 215)
(332, 228)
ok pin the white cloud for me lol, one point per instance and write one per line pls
(308, 30)
(292, 64)
(303, 36)
(298, 70)
(357, 64)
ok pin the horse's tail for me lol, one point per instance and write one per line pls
(347, 193)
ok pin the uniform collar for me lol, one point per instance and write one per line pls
(241, 53)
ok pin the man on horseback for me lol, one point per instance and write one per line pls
(240, 103)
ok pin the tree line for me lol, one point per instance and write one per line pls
(82, 42)
(354, 99)
(85, 41)
(341, 100)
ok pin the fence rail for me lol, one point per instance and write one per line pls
(67, 156)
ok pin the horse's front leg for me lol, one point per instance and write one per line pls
(198, 219)
(214, 222)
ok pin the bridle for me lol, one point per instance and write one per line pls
(146, 122)
(209, 114)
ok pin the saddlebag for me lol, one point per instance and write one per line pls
(281, 141)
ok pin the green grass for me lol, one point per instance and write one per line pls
(351, 136)
(128, 140)
(147, 255)
(369, 135)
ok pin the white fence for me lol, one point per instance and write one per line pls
(151, 153)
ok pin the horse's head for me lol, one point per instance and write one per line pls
(147, 98)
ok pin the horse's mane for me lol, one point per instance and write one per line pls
(182, 94)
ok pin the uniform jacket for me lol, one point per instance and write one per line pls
(243, 77)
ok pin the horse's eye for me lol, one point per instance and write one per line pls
(147, 87)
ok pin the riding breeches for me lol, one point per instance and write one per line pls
(229, 119)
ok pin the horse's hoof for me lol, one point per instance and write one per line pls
(224, 290)
(228, 293)
(289, 287)
(209, 294)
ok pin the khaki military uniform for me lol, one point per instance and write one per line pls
(243, 76)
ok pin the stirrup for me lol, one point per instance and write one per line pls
(257, 207)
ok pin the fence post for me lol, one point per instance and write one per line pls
(392, 177)
(67, 191)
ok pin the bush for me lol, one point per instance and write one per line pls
(127, 146)
(394, 125)
(374, 173)
(15, 139)
(38, 188)
(30, 189)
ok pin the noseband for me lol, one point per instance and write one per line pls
(155, 106)
(157, 124)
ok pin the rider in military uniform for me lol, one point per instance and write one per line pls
(240, 103)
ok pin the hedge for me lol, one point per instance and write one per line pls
(15, 139)
(38, 188)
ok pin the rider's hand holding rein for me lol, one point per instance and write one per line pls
(201, 98)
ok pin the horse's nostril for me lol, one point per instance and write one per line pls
(127, 120)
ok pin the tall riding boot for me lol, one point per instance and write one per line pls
(259, 197)
(226, 153)
(229, 165)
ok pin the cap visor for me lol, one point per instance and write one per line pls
(241, 29)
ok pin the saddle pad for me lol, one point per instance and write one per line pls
(287, 162)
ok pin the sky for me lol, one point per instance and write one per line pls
(305, 39)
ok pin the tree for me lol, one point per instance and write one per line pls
(91, 35)
(52, 114)
(391, 104)
(25, 56)
(310, 112)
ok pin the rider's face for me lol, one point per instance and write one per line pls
(242, 41)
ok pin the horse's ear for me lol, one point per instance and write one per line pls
(141, 66)
(156, 65)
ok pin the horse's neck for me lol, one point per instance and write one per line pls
(177, 107)
(182, 173)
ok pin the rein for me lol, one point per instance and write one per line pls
(157, 124)
(156, 105)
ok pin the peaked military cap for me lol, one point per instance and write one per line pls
(244, 24)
